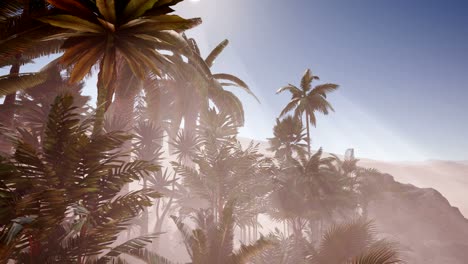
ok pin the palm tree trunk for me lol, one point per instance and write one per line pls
(308, 133)
(144, 222)
(101, 104)
(10, 99)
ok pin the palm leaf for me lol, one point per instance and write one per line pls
(210, 60)
(25, 41)
(380, 253)
(136, 8)
(10, 9)
(10, 84)
(85, 63)
(289, 107)
(246, 252)
(132, 245)
(307, 79)
(235, 80)
(107, 9)
(291, 88)
(149, 257)
(324, 89)
(72, 22)
(75, 7)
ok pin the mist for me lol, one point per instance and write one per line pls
(128, 135)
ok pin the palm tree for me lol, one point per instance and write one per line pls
(192, 95)
(224, 170)
(310, 189)
(354, 242)
(108, 33)
(213, 242)
(307, 100)
(61, 200)
(19, 45)
(288, 138)
(350, 242)
(285, 250)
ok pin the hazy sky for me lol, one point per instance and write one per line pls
(401, 65)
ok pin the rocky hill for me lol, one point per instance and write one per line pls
(418, 206)
(428, 228)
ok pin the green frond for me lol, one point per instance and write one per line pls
(61, 137)
(28, 41)
(307, 79)
(133, 245)
(210, 59)
(345, 241)
(188, 236)
(228, 102)
(10, 84)
(289, 107)
(246, 252)
(136, 8)
(380, 253)
(236, 81)
(10, 9)
(324, 89)
(149, 257)
(296, 92)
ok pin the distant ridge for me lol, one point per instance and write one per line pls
(450, 178)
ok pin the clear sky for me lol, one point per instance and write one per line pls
(401, 64)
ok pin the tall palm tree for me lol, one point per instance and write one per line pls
(288, 138)
(109, 33)
(305, 189)
(305, 101)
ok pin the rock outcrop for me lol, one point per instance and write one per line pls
(428, 229)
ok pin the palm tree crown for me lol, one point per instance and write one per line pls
(307, 100)
(110, 32)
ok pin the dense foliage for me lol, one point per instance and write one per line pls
(84, 184)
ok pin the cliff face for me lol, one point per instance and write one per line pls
(428, 228)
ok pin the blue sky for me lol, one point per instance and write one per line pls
(401, 65)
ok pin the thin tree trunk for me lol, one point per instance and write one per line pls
(10, 99)
(101, 104)
(308, 133)
(145, 217)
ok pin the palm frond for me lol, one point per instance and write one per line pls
(10, 84)
(130, 246)
(236, 81)
(210, 59)
(246, 252)
(380, 253)
(149, 257)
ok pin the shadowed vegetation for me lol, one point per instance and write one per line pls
(100, 184)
